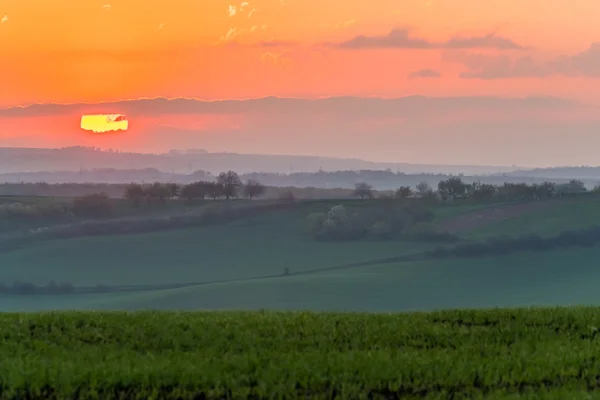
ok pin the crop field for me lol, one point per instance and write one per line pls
(519, 353)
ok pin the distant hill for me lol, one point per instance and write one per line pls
(582, 173)
(16, 160)
(380, 179)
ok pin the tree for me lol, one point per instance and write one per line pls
(134, 192)
(403, 192)
(157, 192)
(214, 190)
(452, 188)
(195, 190)
(482, 191)
(230, 182)
(253, 188)
(363, 189)
(424, 189)
(173, 189)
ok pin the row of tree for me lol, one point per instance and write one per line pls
(228, 185)
(454, 188)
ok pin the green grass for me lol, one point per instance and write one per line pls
(536, 353)
(253, 247)
(568, 215)
(565, 277)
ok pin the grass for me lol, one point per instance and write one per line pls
(253, 247)
(516, 280)
(570, 215)
(248, 258)
(541, 353)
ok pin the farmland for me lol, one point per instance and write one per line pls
(511, 353)
(268, 260)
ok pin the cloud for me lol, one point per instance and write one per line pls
(231, 33)
(584, 64)
(488, 41)
(410, 106)
(4, 19)
(161, 26)
(281, 59)
(424, 73)
(276, 43)
(344, 24)
(401, 39)
(244, 4)
(106, 7)
(251, 12)
(232, 11)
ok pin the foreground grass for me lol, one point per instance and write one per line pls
(548, 353)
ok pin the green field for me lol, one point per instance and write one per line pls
(519, 353)
(241, 264)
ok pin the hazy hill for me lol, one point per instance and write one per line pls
(76, 158)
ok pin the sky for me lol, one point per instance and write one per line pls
(65, 51)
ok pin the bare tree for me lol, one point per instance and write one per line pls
(424, 189)
(363, 189)
(230, 183)
(253, 188)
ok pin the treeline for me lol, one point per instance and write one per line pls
(587, 237)
(455, 188)
(227, 185)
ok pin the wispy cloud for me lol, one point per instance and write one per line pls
(245, 4)
(161, 26)
(106, 7)
(345, 24)
(231, 33)
(402, 39)
(232, 10)
(277, 43)
(424, 73)
(281, 59)
(251, 12)
(4, 19)
(487, 67)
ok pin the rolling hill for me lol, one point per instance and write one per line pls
(242, 265)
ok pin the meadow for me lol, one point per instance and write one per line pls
(508, 354)
(267, 260)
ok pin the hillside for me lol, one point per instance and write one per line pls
(269, 260)
(512, 354)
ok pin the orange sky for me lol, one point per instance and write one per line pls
(98, 50)
(67, 51)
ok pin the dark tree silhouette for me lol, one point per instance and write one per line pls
(253, 188)
(363, 189)
(403, 192)
(135, 193)
(230, 183)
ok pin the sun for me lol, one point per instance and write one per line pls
(100, 123)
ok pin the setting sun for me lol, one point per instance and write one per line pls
(104, 123)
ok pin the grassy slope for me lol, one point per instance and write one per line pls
(271, 242)
(255, 247)
(572, 214)
(551, 278)
(458, 354)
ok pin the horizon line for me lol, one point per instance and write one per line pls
(314, 98)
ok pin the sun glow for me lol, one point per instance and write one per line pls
(104, 123)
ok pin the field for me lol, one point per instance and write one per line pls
(518, 353)
(268, 261)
